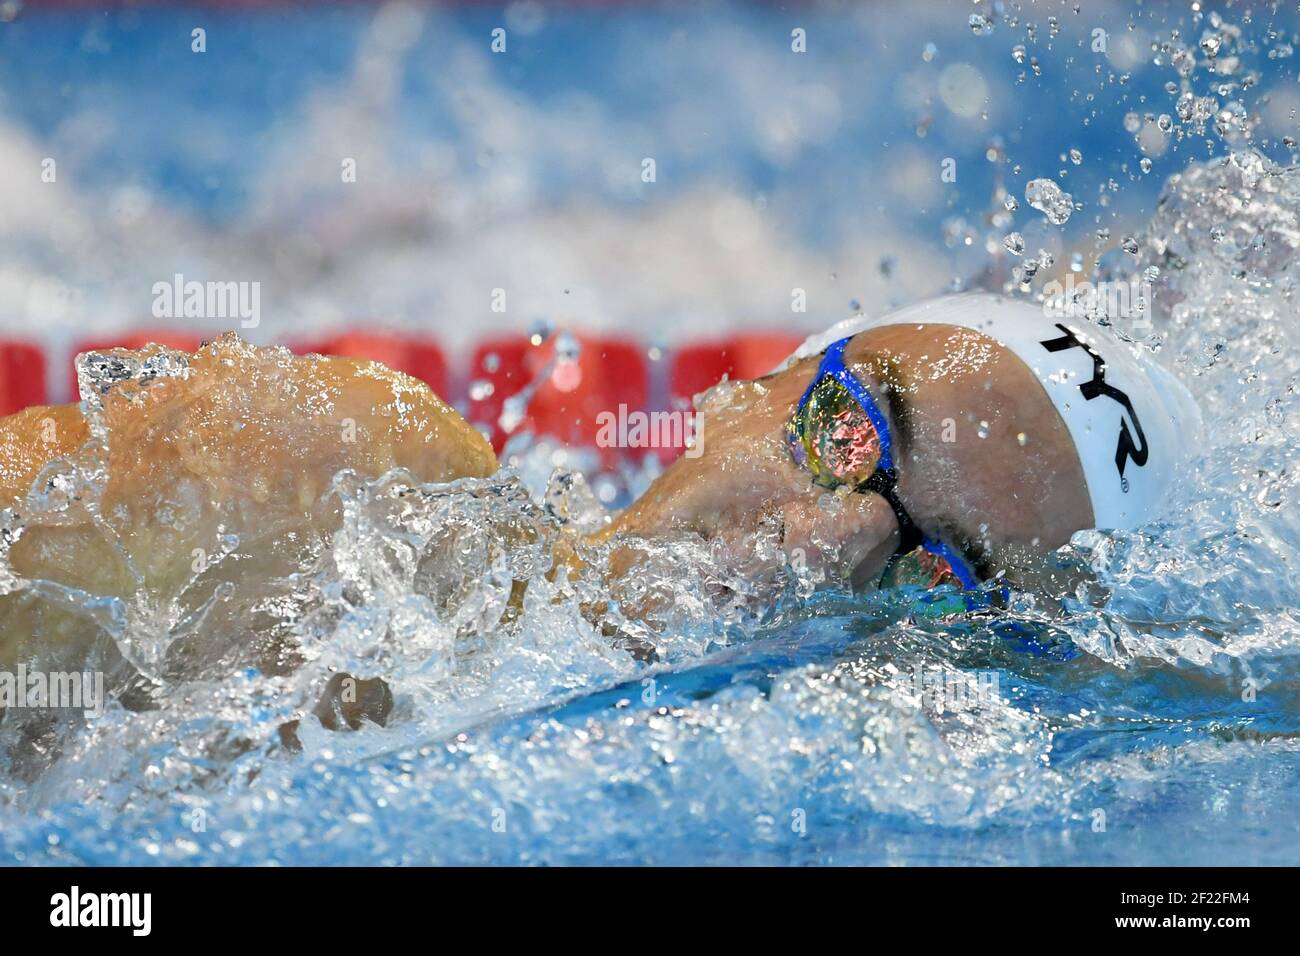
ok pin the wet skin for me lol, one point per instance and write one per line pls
(1007, 492)
(244, 447)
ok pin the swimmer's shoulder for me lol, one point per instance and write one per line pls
(423, 433)
(239, 403)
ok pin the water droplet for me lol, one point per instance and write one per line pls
(540, 330)
(567, 347)
(513, 411)
(1049, 199)
(1014, 243)
(1022, 439)
(983, 430)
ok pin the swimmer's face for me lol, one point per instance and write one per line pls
(744, 483)
(984, 461)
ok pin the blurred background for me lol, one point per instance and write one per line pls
(646, 194)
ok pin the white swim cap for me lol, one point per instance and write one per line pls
(1131, 420)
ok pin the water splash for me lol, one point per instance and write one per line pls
(1049, 199)
(735, 724)
(774, 723)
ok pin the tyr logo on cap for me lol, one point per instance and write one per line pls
(1125, 448)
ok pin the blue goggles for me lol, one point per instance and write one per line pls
(839, 434)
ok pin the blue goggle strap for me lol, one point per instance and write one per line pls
(832, 364)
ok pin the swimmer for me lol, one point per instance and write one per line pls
(946, 443)
(956, 439)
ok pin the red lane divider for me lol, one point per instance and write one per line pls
(22, 376)
(499, 369)
(572, 397)
(183, 341)
(581, 380)
(698, 367)
(418, 358)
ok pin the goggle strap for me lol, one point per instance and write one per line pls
(885, 483)
(910, 535)
(960, 569)
(833, 364)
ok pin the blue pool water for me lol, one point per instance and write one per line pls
(1153, 716)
